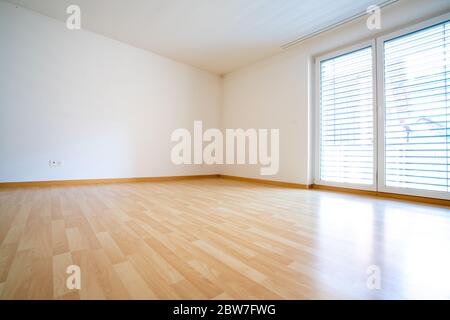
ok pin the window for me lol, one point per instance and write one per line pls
(403, 145)
(346, 118)
(417, 110)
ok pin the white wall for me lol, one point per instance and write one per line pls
(107, 109)
(104, 108)
(278, 92)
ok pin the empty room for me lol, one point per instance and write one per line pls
(260, 150)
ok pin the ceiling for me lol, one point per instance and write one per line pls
(216, 35)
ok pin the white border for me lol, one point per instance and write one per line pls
(318, 60)
(380, 90)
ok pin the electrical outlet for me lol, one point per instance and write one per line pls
(55, 163)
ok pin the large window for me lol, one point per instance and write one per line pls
(408, 151)
(417, 109)
(346, 117)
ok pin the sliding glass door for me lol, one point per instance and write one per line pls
(415, 96)
(346, 119)
(383, 120)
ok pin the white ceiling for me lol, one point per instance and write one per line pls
(216, 35)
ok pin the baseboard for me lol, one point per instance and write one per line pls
(101, 181)
(396, 196)
(267, 182)
(442, 202)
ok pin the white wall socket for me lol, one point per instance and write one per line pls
(55, 163)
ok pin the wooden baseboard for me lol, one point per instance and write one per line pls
(442, 202)
(267, 182)
(396, 196)
(101, 181)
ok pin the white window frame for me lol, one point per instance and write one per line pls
(318, 60)
(381, 106)
(377, 45)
